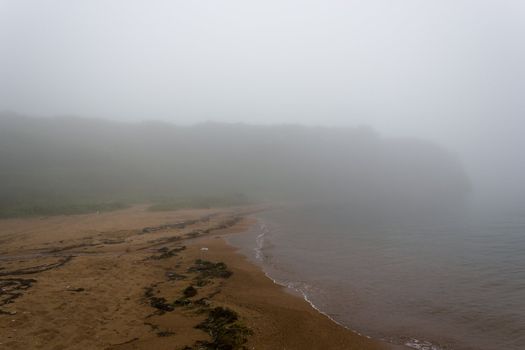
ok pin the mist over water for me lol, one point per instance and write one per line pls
(452, 282)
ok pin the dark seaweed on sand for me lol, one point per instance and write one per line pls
(226, 331)
(38, 269)
(190, 292)
(174, 276)
(208, 269)
(165, 252)
(158, 303)
(12, 288)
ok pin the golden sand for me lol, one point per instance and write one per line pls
(100, 281)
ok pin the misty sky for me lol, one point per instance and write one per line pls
(450, 70)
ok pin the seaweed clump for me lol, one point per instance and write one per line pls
(190, 292)
(38, 269)
(158, 303)
(187, 293)
(207, 270)
(182, 301)
(12, 288)
(226, 331)
(166, 253)
(173, 276)
(161, 304)
(165, 334)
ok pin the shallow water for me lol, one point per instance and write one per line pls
(447, 283)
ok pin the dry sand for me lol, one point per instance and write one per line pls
(102, 281)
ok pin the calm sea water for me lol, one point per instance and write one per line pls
(447, 283)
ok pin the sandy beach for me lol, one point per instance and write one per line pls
(135, 279)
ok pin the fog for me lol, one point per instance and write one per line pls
(68, 158)
(449, 72)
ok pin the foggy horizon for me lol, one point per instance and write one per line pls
(450, 71)
(68, 159)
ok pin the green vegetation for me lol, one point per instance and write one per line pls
(199, 202)
(51, 166)
(49, 208)
(26, 206)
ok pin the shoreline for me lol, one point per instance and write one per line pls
(254, 255)
(295, 291)
(299, 293)
(318, 329)
(127, 286)
(288, 290)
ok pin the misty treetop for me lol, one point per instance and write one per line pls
(76, 158)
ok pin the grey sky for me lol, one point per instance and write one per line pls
(448, 70)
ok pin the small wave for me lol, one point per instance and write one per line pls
(421, 345)
(259, 240)
(302, 288)
(305, 290)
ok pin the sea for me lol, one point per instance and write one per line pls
(429, 282)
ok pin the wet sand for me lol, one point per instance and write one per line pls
(120, 281)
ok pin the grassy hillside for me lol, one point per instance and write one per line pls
(75, 161)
